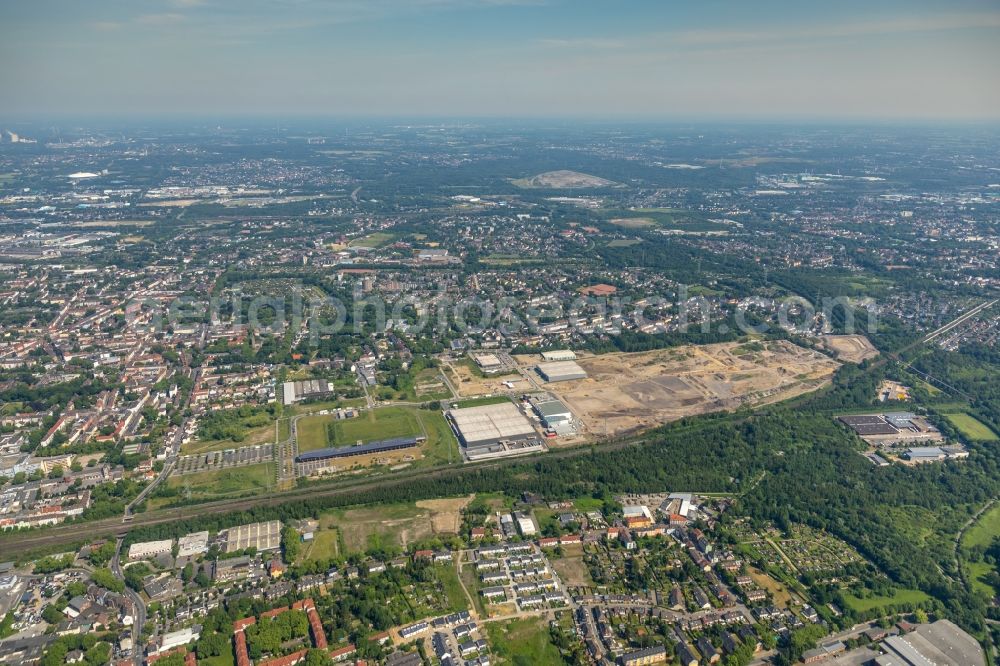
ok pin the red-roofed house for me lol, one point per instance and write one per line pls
(288, 660)
(342, 653)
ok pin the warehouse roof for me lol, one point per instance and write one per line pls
(559, 355)
(942, 642)
(862, 419)
(491, 423)
(926, 452)
(547, 408)
(561, 370)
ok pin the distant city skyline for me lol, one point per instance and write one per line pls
(645, 59)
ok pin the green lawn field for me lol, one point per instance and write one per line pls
(224, 659)
(441, 445)
(984, 530)
(972, 427)
(375, 424)
(448, 575)
(479, 402)
(260, 435)
(314, 432)
(324, 546)
(982, 533)
(377, 239)
(523, 642)
(588, 504)
(251, 479)
(902, 596)
(311, 432)
(977, 572)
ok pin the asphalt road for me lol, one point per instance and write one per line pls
(25, 542)
(18, 543)
(139, 607)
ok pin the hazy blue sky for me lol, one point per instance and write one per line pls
(848, 59)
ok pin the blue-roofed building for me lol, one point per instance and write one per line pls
(378, 446)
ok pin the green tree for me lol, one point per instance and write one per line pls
(106, 579)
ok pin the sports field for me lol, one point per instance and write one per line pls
(374, 424)
(320, 431)
(377, 239)
(311, 432)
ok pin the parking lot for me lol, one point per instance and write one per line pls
(215, 460)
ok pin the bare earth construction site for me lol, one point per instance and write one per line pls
(627, 392)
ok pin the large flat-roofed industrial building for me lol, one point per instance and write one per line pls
(293, 392)
(555, 415)
(493, 430)
(489, 364)
(942, 642)
(869, 424)
(892, 427)
(489, 424)
(192, 544)
(561, 371)
(149, 549)
(559, 355)
(262, 536)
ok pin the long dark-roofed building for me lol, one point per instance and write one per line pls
(869, 424)
(378, 446)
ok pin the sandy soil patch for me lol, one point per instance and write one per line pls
(634, 222)
(174, 203)
(563, 179)
(850, 348)
(446, 514)
(114, 223)
(627, 392)
(571, 568)
(370, 527)
(469, 384)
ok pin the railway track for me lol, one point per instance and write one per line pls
(20, 543)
